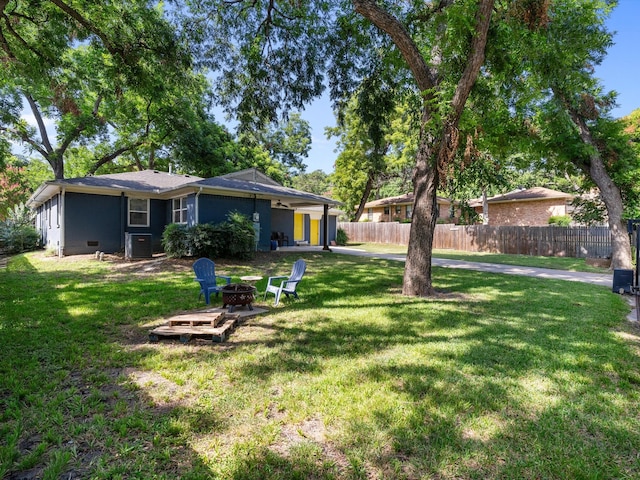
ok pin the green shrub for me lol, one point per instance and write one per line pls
(560, 220)
(239, 236)
(206, 240)
(18, 238)
(17, 233)
(175, 240)
(234, 238)
(341, 237)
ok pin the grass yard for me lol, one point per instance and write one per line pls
(499, 377)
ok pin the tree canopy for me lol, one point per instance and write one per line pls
(111, 77)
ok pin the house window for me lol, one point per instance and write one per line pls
(398, 210)
(180, 210)
(370, 214)
(409, 211)
(386, 210)
(138, 212)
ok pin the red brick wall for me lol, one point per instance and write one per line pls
(533, 213)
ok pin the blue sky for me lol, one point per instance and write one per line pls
(620, 71)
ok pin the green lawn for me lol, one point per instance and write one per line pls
(557, 263)
(499, 377)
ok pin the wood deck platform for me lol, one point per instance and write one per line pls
(216, 326)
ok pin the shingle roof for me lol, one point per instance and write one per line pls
(156, 182)
(399, 200)
(145, 180)
(272, 190)
(522, 195)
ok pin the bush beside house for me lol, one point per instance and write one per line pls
(234, 238)
(17, 233)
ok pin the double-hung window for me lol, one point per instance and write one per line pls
(138, 212)
(179, 210)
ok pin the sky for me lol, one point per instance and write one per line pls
(620, 71)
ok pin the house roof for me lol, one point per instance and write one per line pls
(524, 195)
(406, 199)
(143, 182)
(281, 196)
(158, 184)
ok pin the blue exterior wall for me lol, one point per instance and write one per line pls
(214, 209)
(332, 228)
(282, 221)
(100, 222)
(92, 222)
(159, 217)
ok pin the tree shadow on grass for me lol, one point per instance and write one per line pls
(484, 382)
(494, 385)
(68, 408)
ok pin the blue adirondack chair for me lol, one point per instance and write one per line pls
(287, 285)
(205, 271)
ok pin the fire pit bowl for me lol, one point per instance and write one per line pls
(237, 294)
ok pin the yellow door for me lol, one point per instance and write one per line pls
(315, 232)
(298, 227)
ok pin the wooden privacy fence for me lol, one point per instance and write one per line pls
(551, 241)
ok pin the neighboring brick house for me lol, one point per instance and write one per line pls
(530, 207)
(399, 209)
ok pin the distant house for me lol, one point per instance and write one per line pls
(530, 207)
(400, 208)
(102, 212)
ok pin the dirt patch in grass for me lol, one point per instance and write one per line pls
(265, 262)
(310, 431)
(162, 393)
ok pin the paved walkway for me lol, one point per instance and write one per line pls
(604, 279)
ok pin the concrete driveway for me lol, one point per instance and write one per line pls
(605, 279)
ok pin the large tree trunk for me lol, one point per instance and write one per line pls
(611, 196)
(417, 271)
(434, 153)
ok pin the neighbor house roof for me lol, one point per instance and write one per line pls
(406, 199)
(524, 195)
(159, 184)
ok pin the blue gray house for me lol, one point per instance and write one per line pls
(105, 212)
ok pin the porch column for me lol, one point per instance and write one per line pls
(325, 227)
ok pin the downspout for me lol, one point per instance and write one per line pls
(62, 222)
(123, 219)
(197, 207)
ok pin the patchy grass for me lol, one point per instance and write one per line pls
(557, 263)
(497, 377)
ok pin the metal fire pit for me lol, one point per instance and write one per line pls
(237, 294)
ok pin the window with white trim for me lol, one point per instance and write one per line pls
(138, 212)
(179, 210)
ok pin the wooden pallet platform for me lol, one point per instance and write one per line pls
(216, 326)
(199, 318)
